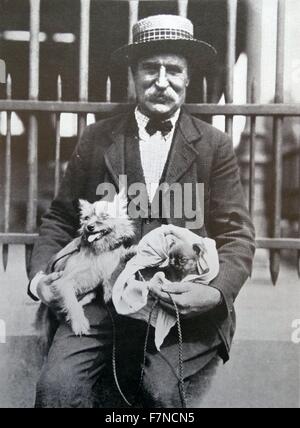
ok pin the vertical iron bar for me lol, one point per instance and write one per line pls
(204, 98)
(84, 60)
(278, 129)
(7, 188)
(230, 59)
(183, 7)
(133, 18)
(57, 140)
(298, 253)
(254, 100)
(34, 56)
(108, 90)
(34, 53)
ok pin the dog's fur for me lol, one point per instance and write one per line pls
(106, 234)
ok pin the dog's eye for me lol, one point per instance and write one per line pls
(86, 218)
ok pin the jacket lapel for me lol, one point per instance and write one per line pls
(123, 156)
(183, 152)
(114, 155)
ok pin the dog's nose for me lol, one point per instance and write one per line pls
(90, 228)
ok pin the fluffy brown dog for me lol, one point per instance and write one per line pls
(106, 233)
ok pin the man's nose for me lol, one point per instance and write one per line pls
(162, 80)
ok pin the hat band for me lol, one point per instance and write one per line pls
(162, 34)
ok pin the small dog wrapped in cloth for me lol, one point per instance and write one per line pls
(90, 260)
(190, 259)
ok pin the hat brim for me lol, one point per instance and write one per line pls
(197, 52)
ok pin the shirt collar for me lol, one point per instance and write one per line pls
(142, 120)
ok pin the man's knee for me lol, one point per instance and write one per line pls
(58, 387)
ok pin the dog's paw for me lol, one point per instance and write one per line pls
(81, 327)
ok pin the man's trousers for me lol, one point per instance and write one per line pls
(78, 371)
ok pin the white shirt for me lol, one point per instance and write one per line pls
(154, 151)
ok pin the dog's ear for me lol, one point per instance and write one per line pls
(84, 207)
(199, 249)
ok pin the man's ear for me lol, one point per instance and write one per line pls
(188, 80)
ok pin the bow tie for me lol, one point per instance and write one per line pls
(154, 125)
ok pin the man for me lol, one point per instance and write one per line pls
(156, 142)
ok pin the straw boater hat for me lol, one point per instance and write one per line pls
(165, 34)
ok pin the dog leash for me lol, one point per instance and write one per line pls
(180, 353)
(114, 360)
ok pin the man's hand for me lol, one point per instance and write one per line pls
(184, 235)
(191, 299)
(44, 290)
(46, 295)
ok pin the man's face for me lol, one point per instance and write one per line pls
(161, 82)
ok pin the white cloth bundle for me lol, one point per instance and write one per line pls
(130, 296)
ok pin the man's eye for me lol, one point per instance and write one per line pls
(174, 71)
(150, 69)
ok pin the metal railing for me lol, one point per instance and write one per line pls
(279, 110)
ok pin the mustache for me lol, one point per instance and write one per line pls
(160, 96)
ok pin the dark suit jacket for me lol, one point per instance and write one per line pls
(199, 153)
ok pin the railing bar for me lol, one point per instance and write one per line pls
(205, 98)
(298, 253)
(289, 110)
(231, 48)
(298, 198)
(34, 49)
(108, 90)
(18, 238)
(229, 125)
(252, 153)
(8, 160)
(33, 124)
(132, 19)
(7, 186)
(183, 8)
(28, 255)
(279, 243)
(279, 86)
(57, 140)
(252, 167)
(230, 58)
(278, 133)
(84, 50)
(84, 59)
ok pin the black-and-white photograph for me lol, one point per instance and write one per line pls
(150, 206)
